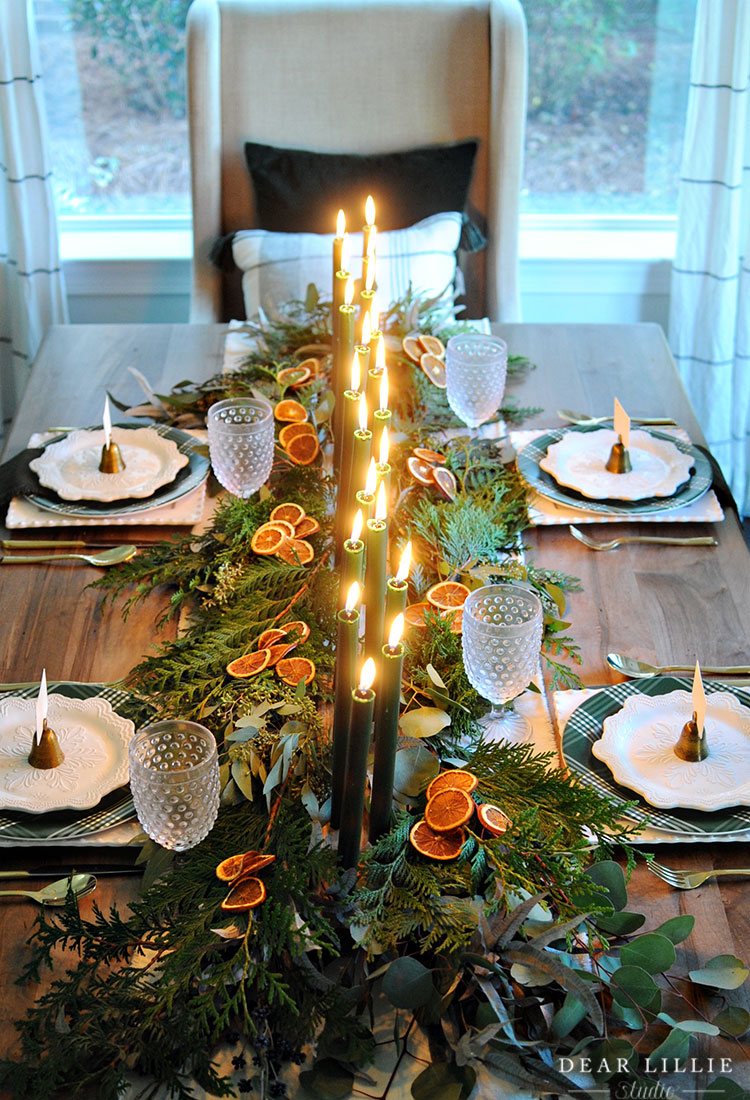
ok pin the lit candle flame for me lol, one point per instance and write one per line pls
(380, 355)
(357, 526)
(404, 564)
(356, 373)
(363, 414)
(41, 703)
(383, 388)
(340, 224)
(366, 329)
(352, 598)
(367, 675)
(381, 504)
(622, 424)
(699, 698)
(371, 480)
(107, 423)
(396, 632)
(349, 292)
(384, 446)
(370, 210)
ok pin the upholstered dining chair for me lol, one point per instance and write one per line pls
(356, 76)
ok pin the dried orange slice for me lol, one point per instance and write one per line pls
(250, 664)
(268, 637)
(414, 614)
(312, 364)
(287, 529)
(248, 893)
(289, 511)
(299, 627)
(447, 595)
(294, 376)
(305, 527)
(429, 456)
(448, 810)
(289, 431)
(303, 449)
(419, 470)
(412, 348)
(293, 669)
(455, 618)
(278, 651)
(267, 539)
(433, 344)
(445, 482)
(434, 368)
(290, 411)
(493, 819)
(244, 864)
(436, 845)
(296, 552)
(454, 779)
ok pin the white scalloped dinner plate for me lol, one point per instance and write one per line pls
(71, 466)
(94, 739)
(638, 741)
(578, 461)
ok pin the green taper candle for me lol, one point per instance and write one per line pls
(355, 782)
(343, 351)
(347, 644)
(376, 549)
(386, 730)
(338, 251)
(353, 559)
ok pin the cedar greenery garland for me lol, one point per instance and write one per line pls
(158, 991)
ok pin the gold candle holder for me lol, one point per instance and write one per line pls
(619, 459)
(45, 751)
(692, 745)
(111, 461)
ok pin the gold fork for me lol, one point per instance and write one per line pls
(688, 880)
(663, 540)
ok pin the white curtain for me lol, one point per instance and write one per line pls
(32, 294)
(710, 302)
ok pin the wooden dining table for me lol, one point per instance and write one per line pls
(662, 604)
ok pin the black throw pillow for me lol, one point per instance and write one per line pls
(297, 191)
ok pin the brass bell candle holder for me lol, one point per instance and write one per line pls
(45, 750)
(692, 744)
(111, 461)
(619, 459)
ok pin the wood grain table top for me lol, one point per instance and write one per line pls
(664, 604)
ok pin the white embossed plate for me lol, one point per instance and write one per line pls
(637, 745)
(94, 739)
(578, 461)
(71, 466)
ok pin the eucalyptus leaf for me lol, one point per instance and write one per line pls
(424, 722)
(633, 984)
(415, 767)
(651, 951)
(236, 737)
(724, 1088)
(567, 978)
(407, 983)
(242, 776)
(327, 1080)
(609, 875)
(444, 1081)
(674, 1049)
(231, 795)
(608, 1056)
(157, 867)
(721, 972)
(693, 1027)
(436, 678)
(312, 297)
(620, 924)
(677, 929)
(733, 1020)
(570, 1013)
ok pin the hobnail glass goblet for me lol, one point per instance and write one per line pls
(240, 440)
(475, 370)
(174, 777)
(502, 637)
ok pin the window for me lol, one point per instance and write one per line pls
(608, 86)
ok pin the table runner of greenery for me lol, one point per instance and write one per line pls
(512, 956)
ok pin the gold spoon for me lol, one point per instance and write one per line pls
(631, 666)
(107, 557)
(56, 892)
(662, 540)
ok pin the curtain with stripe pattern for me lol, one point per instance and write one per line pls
(32, 293)
(710, 296)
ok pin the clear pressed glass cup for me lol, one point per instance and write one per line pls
(502, 637)
(240, 440)
(174, 777)
(475, 370)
